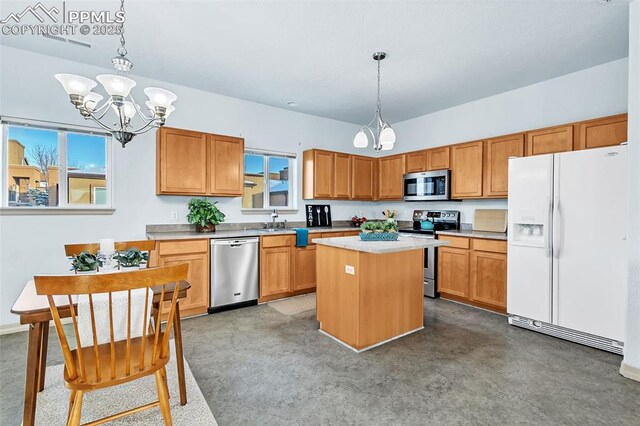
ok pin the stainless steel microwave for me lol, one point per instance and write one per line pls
(427, 186)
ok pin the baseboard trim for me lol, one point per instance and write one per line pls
(19, 328)
(630, 372)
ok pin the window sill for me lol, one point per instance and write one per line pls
(54, 211)
(268, 211)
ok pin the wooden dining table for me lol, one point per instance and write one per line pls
(34, 311)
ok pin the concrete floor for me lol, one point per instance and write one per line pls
(256, 366)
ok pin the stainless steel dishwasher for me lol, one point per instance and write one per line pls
(234, 273)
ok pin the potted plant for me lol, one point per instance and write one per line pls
(84, 262)
(132, 258)
(204, 214)
(368, 227)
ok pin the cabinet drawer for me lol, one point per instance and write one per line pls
(313, 237)
(351, 234)
(494, 246)
(332, 234)
(455, 242)
(183, 247)
(277, 241)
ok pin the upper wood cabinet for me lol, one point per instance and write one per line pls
(196, 163)
(416, 161)
(607, 131)
(317, 176)
(550, 140)
(438, 158)
(466, 174)
(391, 177)
(363, 176)
(341, 176)
(226, 165)
(496, 163)
(181, 162)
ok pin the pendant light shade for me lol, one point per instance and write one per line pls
(75, 84)
(128, 108)
(116, 85)
(160, 97)
(91, 100)
(361, 140)
(387, 137)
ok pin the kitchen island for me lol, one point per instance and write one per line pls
(370, 292)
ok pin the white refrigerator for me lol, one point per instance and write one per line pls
(566, 270)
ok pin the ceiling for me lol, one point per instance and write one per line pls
(318, 53)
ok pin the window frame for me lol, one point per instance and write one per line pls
(293, 181)
(63, 202)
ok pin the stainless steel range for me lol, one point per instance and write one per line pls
(425, 225)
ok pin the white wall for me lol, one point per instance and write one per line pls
(590, 93)
(33, 244)
(632, 341)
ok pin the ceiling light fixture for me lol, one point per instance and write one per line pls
(292, 103)
(381, 133)
(120, 100)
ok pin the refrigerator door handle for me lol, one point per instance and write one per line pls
(556, 226)
(548, 243)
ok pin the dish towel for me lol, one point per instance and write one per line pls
(302, 237)
(120, 311)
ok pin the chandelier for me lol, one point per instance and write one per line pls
(379, 130)
(120, 100)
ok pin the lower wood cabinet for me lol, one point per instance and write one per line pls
(195, 253)
(305, 268)
(275, 271)
(474, 271)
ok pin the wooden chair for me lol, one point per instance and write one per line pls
(110, 364)
(142, 245)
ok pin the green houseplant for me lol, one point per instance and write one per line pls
(204, 214)
(84, 262)
(131, 258)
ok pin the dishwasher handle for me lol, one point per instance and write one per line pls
(235, 242)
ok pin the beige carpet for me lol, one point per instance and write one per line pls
(54, 399)
(295, 305)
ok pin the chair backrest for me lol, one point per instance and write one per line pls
(166, 278)
(142, 245)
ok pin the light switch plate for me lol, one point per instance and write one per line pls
(174, 216)
(349, 269)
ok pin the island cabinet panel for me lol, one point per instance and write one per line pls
(453, 271)
(195, 253)
(550, 140)
(391, 177)
(607, 131)
(362, 178)
(305, 268)
(342, 176)
(466, 175)
(416, 161)
(226, 165)
(181, 163)
(318, 174)
(496, 163)
(196, 163)
(438, 158)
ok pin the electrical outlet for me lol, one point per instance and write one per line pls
(174, 216)
(349, 269)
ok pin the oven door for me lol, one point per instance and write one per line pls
(426, 186)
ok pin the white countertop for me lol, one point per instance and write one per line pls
(403, 243)
(239, 233)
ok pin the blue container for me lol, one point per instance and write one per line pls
(379, 236)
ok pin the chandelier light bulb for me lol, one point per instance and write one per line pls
(361, 140)
(160, 97)
(116, 85)
(75, 84)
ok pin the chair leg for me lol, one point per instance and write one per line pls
(166, 382)
(72, 397)
(76, 412)
(163, 397)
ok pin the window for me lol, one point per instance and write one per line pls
(46, 166)
(269, 180)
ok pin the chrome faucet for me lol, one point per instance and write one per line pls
(274, 216)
